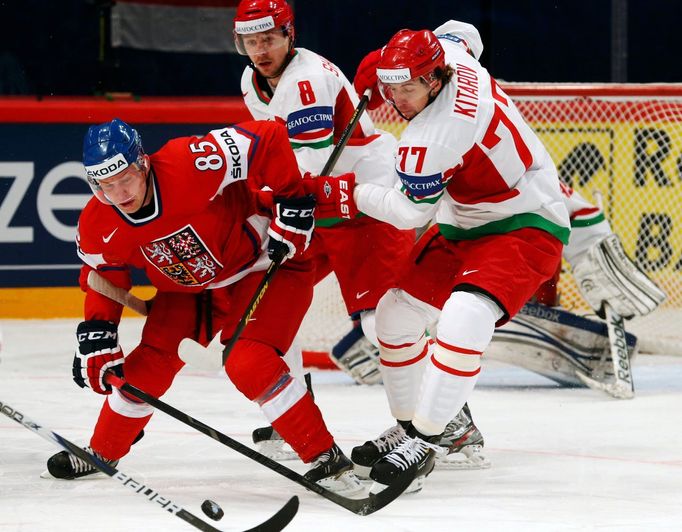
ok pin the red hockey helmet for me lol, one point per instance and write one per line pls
(409, 55)
(257, 16)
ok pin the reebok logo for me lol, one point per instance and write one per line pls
(106, 239)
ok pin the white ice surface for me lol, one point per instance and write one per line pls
(562, 459)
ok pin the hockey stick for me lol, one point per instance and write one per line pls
(193, 353)
(364, 506)
(108, 289)
(624, 386)
(277, 522)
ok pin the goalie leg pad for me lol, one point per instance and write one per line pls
(556, 344)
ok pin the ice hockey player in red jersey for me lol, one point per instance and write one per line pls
(189, 216)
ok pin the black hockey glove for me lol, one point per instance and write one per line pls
(291, 228)
(98, 351)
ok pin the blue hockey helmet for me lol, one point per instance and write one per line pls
(108, 149)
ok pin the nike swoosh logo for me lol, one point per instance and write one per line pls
(358, 295)
(244, 94)
(106, 239)
(467, 272)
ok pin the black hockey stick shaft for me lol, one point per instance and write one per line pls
(358, 506)
(275, 264)
(275, 523)
(253, 304)
(163, 503)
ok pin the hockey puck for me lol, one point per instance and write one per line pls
(212, 510)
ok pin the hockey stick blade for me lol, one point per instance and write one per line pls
(363, 506)
(197, 356)
(614, 389)
(276, 523)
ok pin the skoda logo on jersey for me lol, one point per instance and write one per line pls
(254, 26)
(235, 153)
(309, 119)
(394, 75)
(107, 168)
(422, 185)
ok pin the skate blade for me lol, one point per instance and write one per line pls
(458, 461)
(346, 484)
(276, 450)
(468, 457)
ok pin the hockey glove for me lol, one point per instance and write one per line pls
(366, 78)
(98, 351)
(291, 227)
(607, 274)
(334, 195)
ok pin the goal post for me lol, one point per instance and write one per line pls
(621, 140)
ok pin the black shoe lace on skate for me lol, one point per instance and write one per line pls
(390, 438)
(410, 451)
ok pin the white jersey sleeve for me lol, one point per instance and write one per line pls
(588, 225)
(316, 101)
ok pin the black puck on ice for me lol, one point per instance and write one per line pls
(212, 510)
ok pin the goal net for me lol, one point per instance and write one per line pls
(623, 142)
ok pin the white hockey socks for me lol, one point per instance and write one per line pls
(403, 347)
(465, 329)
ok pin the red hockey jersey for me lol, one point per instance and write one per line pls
(203, 228)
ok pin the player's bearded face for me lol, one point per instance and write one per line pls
(410, 97)
(267, 50)
(127, 190)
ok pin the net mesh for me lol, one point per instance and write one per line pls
(620, 142)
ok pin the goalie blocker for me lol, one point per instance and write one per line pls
(606, 274)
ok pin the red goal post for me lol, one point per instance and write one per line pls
(623, 141)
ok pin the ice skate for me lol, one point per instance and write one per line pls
(271, 444)
(412, 450)
(334, 471)
(365, 456)
(66, 466)
(463, 443)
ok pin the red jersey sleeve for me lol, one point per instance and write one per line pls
(272, 163)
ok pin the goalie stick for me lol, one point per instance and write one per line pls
(277, 522)
(623, 387)
(364, 506)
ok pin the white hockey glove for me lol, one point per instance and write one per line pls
(607, 274)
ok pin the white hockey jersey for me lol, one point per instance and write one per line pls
(471, 162)
(316, 101)
(588, 224)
